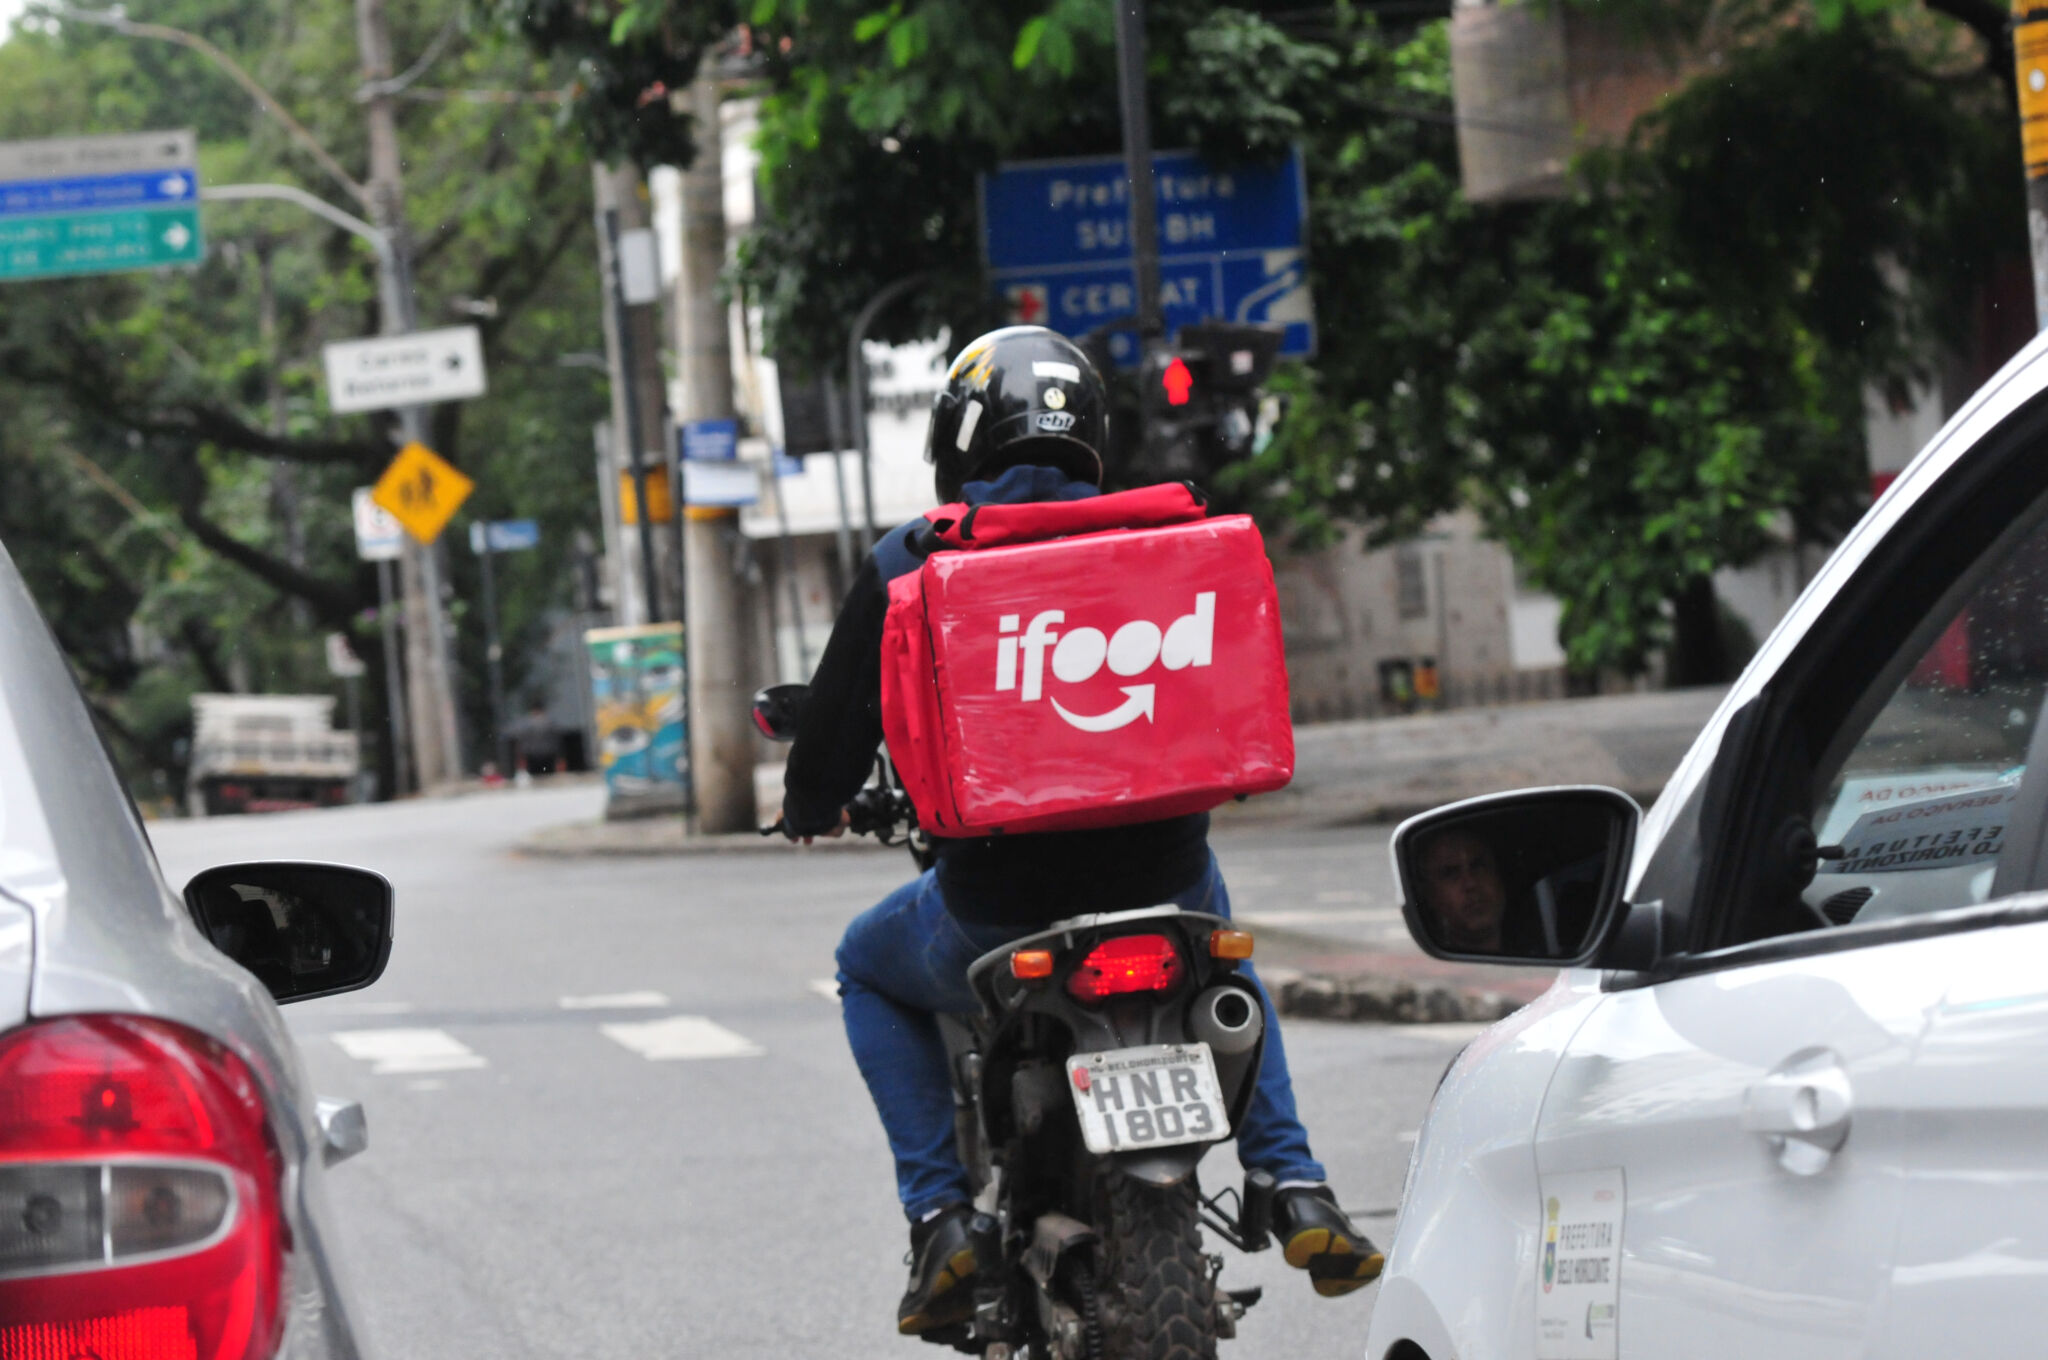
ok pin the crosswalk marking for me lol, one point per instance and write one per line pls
(391, 1051)
(827, 988)
(615, 1001)
(680, 1037)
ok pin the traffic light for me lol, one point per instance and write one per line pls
(1200, 397)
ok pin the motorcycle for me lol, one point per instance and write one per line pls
(1110, 1053)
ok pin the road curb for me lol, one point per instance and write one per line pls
(1385, 1000)
(640, 839)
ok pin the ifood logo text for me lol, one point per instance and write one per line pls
(1081, 654)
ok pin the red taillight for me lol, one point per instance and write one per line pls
(1128, 963)
(139, 1214)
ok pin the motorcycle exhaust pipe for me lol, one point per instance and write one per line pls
(1228, 1019)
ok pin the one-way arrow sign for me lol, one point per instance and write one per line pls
(405, 370)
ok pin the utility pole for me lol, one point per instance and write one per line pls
(1130, 98)
(633, 358)
(437, 751)
(2030, 57)
(716, 633)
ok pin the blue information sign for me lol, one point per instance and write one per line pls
(503, 535)
(1056, 235)
(710, 441)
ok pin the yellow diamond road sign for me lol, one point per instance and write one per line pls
(422, 490)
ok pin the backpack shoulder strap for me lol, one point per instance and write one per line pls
(994, 526)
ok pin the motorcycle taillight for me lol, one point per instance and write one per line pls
(139, 1184)
(1127, 963)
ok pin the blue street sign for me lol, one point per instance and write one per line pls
(503, 535)
(92, 193)
(1056, 235)
(710, 441)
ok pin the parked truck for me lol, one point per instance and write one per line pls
(268, 753)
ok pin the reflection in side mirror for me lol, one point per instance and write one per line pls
(1532, 877)
(304, 930)
(777, 708)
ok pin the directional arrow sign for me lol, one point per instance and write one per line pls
(99, 205)
(405, 370)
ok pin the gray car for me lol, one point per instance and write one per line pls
(161, 1160)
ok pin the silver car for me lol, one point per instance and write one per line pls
(161, 1160)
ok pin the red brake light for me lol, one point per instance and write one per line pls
(139, 1214)
(1127, 963)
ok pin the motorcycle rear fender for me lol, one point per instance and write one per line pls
(1124, 1022)
(1164, 1168)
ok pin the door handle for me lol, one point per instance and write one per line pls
(1802, 1110)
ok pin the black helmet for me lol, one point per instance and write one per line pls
(1022, 394)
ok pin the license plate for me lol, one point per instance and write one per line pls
(1161, 1095)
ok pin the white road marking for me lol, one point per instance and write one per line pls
(681, 1037)
(615, 1001)
(1410, 1136)
(827, 988)
(1310, 918)
(371, 1007)
(425, 1084)
(393, 1051)
(1449, 1031)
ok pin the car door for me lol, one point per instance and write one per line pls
(1756, 1148)
(1970, 1276)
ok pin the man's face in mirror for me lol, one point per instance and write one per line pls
(1461, 884)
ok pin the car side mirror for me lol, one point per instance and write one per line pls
(304, 930)
(778, 708)
(1533, 877)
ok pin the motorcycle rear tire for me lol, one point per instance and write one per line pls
(1155, 1282)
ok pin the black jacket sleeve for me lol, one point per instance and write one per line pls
(841, 724)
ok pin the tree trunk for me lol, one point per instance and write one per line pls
(1699, 652)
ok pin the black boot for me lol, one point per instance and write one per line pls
(1316, 1236)
(942, 1265)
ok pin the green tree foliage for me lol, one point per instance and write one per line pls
(1659, 374)
(171, 482)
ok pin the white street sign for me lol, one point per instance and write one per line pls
(84, 157)
(342, 661)
(405, 370)
(379, 535)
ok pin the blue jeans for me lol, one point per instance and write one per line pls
(906, 959)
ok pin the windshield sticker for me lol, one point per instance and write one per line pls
(1934, 833)
(1578, 1270)
(1874, 793)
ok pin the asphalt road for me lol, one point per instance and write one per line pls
(612, 1111)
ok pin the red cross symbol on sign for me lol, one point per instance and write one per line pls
(1027, 303)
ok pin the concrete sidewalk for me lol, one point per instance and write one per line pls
(1385, 769)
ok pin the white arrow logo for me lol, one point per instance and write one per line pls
(177, 237)
(1139, 704)
(174, 187)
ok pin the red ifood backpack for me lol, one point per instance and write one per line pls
(1067, 664)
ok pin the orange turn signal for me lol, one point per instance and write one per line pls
(1230, 944)
(1031, 964)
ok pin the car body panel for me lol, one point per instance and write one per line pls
(82, 898)
(1970, 1276)
(1470, 1212)
(1725, 1250)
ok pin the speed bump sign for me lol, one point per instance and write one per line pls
(422, 490)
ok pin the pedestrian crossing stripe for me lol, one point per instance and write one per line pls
(680, 1037)
(393, 1051)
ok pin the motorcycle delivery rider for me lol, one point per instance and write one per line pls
(907, 958)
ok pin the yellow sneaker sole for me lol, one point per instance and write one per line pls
(941, 1310)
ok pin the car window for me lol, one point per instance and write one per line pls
(1911, 813)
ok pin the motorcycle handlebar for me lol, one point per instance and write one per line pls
(874, 811)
